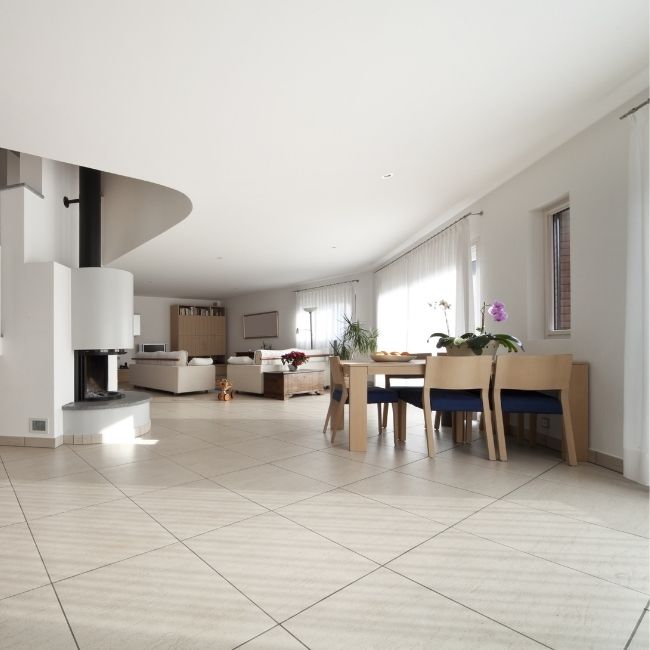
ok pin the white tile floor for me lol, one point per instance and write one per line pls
(237, 524)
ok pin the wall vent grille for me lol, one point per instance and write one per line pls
(37, 425)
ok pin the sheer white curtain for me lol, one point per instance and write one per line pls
(438, 269)
(636, 420)
(331, 304)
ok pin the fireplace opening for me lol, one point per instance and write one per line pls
(91, 376)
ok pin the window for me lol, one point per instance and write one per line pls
(559, 272)
(319, 314)
(437, 269)
(476, 283)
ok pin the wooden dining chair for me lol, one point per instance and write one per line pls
(456, 384)
(339, 398)
(522, 384)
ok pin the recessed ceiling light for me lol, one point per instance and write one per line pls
(219, 258)
(333, 246)
(387, 175)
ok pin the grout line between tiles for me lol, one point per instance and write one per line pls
(644, 612)
(471, 609)
(38, 550)
(182, 542)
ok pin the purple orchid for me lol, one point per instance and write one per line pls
(497, 311)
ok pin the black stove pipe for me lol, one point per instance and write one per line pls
(90, 217)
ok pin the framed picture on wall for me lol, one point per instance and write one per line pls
(264, 325)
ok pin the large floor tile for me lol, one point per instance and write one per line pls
(489, 481)
(279, 565)
(557, 606)
(375, 530)
(10, 512)
(625, 510)
(172, 443)
(194, 508)
(387, 611)
(272, 486)
(521, 459)
(13, 453)
(602, 552)
(80, 540)
(102, 456)
(329, 468)
(34, 620)
(590, 476)
(165, 599)
(136, 478)
(436, 501)
(59, 462)
(55, 495)
(214, 461)
(379, 455)
(21, 567)
(310, 439)
(275, 639)
(268, 449)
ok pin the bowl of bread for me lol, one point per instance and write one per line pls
(383, 356)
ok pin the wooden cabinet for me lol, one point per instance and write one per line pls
(199, 330)
(284, 384)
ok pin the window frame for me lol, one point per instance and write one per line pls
(549, 271)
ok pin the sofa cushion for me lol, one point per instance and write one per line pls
(175, 358)
(240, 361)
(200, 361)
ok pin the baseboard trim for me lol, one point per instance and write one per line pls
(31, 441)
(606, 460)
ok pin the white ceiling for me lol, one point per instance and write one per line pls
(279, 118)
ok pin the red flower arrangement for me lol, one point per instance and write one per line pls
(294, 358)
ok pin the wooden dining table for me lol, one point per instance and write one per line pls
(358, 373)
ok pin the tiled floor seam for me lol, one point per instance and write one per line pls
(40, 555)
(471, 609)
(76, 509)
(545, 559)
(644, 613)
(261, 634)
(180, 541)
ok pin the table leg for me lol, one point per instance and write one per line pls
(358, 397)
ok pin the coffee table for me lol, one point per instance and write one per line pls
(282, 384)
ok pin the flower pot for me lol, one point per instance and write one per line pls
(292, 368)
(464, 351)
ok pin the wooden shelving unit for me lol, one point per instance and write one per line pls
(199, 330)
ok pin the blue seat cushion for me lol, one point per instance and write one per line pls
(529, 401)
(443, 399)
(376, 395)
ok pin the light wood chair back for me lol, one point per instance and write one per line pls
(336, 372)
(530, 372)
(457, 373)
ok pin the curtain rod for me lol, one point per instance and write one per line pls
(635, 109)
(322, 286)
(422, 243)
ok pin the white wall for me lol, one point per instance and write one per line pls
(155, 319)
(36, 364)
(284, 301)
(591, 169)
(135, 211)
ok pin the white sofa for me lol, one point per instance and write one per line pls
(170, 371)
(249, 377)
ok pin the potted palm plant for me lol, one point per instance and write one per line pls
(355, 338)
